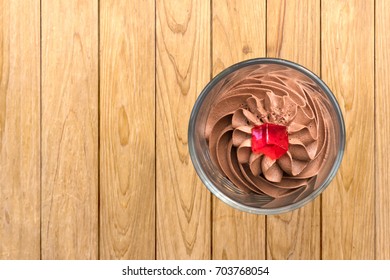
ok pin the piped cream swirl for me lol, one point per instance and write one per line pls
(270, 94)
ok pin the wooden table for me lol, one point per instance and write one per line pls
(95, 98)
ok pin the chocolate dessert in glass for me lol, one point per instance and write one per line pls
(266, 136)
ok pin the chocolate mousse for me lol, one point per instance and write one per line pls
(281, 96)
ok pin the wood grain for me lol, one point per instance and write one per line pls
(237, 235)
(19, 130)
(127, 133)
(293, 33)
(69, 130)
(183, 69)
(155, 58)
(348, 68)
(382, 127)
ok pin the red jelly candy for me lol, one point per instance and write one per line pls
(270, 139)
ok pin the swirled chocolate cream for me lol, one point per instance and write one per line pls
(269, 132)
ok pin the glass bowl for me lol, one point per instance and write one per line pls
(267, 79)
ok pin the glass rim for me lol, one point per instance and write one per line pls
(210, 185)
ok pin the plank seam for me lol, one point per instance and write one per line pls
(375, 145)
(40, 130)
(211, 76)
(99, 115)
(155, 129)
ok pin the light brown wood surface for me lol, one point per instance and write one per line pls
(69, 98)
(382, 127)
(235, 37)
(293, 33)
(127, 130)
(19, 130)
(348, 208)
(95, 98)
(182, 70)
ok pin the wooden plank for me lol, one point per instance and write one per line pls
(69, 129)
(127, 108)
(382, 127)
(183, 69)
(348, 68)
(19, 130)
(238, 34)
(293, 33)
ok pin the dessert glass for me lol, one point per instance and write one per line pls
(218, 183)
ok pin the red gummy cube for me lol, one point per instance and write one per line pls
(270, 139)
